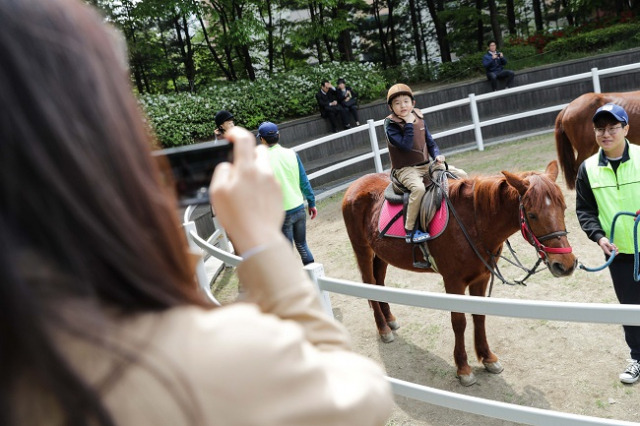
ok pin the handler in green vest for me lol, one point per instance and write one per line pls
(289, 172)
(609, 182)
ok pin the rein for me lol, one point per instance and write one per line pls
(636, 256)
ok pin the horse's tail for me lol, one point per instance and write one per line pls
(566, 155)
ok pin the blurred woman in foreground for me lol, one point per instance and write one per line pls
(101, 322)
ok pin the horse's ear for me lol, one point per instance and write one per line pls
(552, 170)
(517, 182)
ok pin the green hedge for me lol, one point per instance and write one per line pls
(180, 119)
(596, 39)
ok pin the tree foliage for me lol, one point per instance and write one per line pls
(188, 45)
(264, 59)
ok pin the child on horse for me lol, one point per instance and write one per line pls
(410, 145)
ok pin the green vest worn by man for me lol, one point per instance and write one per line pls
(615, 192)
(284, 163)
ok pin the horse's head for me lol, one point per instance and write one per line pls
(542, 210)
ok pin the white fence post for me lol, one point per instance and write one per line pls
(374, 145)
(220, 238)
(201, 274)
(596, 80)
(315, 271)
(475, 117)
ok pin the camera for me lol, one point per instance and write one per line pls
(189, 168)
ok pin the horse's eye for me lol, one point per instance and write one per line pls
(532, 216)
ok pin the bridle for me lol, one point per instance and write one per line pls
(536, 242)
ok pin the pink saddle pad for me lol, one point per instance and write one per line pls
(396, 229)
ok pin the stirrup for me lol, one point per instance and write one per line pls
(420, 264)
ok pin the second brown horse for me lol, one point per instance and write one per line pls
(489, 208)
(575, 139)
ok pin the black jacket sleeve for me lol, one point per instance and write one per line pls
(587, 207)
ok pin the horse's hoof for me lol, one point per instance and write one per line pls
(387, 337)
(467, 379)
(493, 367)
(393, 324)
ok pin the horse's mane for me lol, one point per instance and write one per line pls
(487, 191)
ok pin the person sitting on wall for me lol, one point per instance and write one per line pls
(348, 98)
(493, 62)
(330, 108)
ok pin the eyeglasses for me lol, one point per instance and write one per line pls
(611, 130)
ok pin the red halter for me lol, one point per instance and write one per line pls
(528, 235)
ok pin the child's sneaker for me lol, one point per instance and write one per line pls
(631, 373)
(417, 236)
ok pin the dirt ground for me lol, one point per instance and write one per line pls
(563, 366)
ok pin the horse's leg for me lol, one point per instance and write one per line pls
(380, 272)
(459, 324)
(488, 358)
(368, 262)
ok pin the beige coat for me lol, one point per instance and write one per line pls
(275, 359)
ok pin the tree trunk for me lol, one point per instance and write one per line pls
(570, 18)
(511, 18)
(441, 32)
(185, 50)
(325, 37)
(424, 42)
(137, 76)
(245, 54)
(382, 37)
(224, 24)
(495, 25)
(392, 31)
(165, 50)
(212, 49)
(314, 23)
(270, 48)
(537, 15)
(479, 27)
(415, 31)
(344, 38)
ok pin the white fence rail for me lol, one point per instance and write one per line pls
(475, 124)
(558, 311)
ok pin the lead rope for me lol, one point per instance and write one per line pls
(636, 256)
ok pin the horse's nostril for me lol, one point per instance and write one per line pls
(559, 269)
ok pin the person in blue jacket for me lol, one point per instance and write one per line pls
(494, 62)
(291, 176)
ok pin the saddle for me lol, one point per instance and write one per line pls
(434, 213)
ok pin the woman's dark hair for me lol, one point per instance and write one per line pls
(83, 215)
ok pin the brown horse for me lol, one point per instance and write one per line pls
(575, 139)
(490, 210)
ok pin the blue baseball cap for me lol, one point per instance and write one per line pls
(268, 129)
(614, 110)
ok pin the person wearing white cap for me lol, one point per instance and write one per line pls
(609, 182)
(289, 172)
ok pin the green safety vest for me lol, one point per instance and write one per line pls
(284, 163)
(615, 192)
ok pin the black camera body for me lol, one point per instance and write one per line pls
(189, 168)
